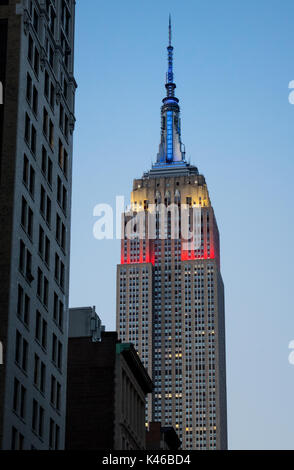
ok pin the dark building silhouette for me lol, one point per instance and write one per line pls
(36, 138)
(162, 437)
(106, 388)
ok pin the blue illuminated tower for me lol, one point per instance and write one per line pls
(171, 149)
(170, 296)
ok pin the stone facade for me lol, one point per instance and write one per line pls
(36, 136)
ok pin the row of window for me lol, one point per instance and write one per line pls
(25, 267)
(23, 312)
(22, 349)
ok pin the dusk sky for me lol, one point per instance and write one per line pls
(234, 60)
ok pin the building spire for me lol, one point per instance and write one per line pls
(170, 86)
(171, 149)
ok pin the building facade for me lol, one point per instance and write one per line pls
(36, 136)
(107, 388)
(170, 293)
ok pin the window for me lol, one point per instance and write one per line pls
(44, 334)
(33, 140)
(25, 173)
(51, 134)
(43, 201)
(27, 218)
(29, 88)
(35, 101)
(45, 122)
(30, 223)
(38, 326)
(57, 433)
(53, 390)
(56, 351)
(58, 309)
(60, 233)
(54, 348)
(36, 369)
(46, 85)
(47, 251)
(58, 396)
(30, 134)
(30, 49)
(52, 96)
(47, 166)
(59, 271)
(41, 241)
(41, 330)
(27, 128)
(23, 305)
(61, 117)
(51, 434)
(17, 439)
(61, 194)
(48, 128)
(42, 288)
(51, 19)
(54, 433)
(63, 158)
(39, 374)
(45, 206)
(32, 181)
(25, 347)
(35, 415)
(63, 237)
(16, 395)
(28, 177)
(66, 126)
(36, 61)
(38, 419)
(21, 351)
(36, 21)
(59, 355)
(51, 56)
(55, 395)
(44, 246)
(65, 88)
(25, 262)
(63, 121)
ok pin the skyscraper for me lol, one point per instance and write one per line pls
(36, 135)
(170, 293)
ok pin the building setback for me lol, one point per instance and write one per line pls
(106, 388)
(170, 293)
(36, 136)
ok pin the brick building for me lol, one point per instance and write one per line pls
(106, 388)
(161, 437)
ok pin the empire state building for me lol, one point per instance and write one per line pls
(170, 293)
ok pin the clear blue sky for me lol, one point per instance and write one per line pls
(233, 62)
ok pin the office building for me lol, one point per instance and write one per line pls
(36, 139)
